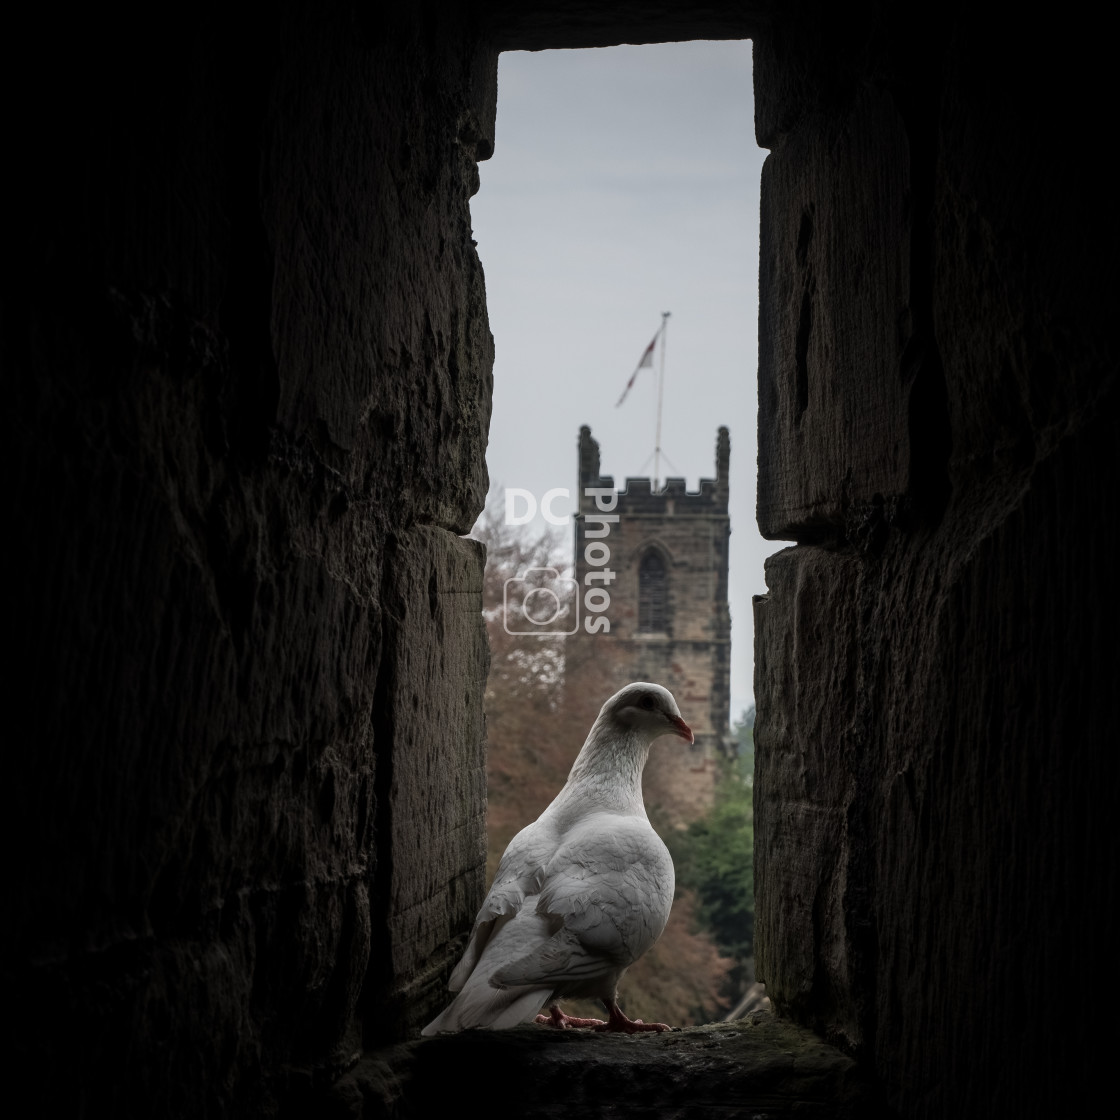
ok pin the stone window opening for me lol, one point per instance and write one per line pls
(271, 349)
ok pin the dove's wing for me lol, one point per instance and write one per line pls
(518, 877)
(607, 893)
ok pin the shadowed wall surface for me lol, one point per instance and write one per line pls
(248, 370)
(937, 430)
(251, 375)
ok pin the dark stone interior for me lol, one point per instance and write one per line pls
(245, 337)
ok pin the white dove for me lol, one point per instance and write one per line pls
(582, 892)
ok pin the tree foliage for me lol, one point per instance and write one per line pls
(714, 857)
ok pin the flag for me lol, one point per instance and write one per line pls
(645, 362)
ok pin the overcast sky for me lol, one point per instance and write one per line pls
(624, 183)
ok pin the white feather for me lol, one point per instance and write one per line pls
(583, 891)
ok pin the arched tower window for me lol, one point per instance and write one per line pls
(653, 593)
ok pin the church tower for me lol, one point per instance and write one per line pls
(652, 573)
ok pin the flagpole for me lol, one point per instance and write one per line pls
(660, 397)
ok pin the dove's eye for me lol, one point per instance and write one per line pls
(647, 702)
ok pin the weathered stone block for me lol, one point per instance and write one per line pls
(434, 796)
(834, 319)
(806, 629)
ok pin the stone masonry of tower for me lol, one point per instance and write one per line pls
(688, 648)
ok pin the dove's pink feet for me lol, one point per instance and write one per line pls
(619, 1022)
(556, 1018)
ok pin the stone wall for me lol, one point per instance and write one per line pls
(937, 431)
(247, 371)
(249, 382)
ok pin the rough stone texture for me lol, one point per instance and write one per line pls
(544, 24)
(249, 380)
(935, 669)
(802, 801)
(436, 794)
(759, 1066)
(835, 326)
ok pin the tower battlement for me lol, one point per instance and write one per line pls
(638, 493)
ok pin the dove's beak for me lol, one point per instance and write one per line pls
(683, 730)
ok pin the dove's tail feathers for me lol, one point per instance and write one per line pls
(524, 1007)
(471, 955)
(481, 936)
(480, 1005)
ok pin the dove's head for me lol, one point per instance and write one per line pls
(646, 707)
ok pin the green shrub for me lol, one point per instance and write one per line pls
(714, 857)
